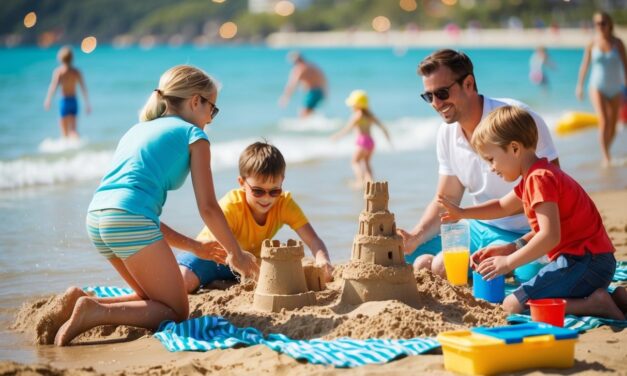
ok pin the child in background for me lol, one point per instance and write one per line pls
(255, 211)
(68, 77)
(566, 224)
(362, 121)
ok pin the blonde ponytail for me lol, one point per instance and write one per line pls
(175, 85)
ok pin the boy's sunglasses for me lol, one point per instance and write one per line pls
(260, 192)
(214, 108)
(441, 93)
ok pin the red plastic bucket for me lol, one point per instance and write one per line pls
(550, 311)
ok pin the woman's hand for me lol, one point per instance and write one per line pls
(245, 264)
(493, 267)
(453, 212)
(579, 92)
(211, 250)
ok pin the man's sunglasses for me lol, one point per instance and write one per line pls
(441, 93)
(260, 192)
(214, 108)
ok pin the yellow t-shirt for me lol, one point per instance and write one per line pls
(248, 233)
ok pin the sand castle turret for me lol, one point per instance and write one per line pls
(377, 270)
(282, 283)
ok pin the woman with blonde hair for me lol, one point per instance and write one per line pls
(606, 58)
(153, 157)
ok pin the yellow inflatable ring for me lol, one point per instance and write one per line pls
(575, 121)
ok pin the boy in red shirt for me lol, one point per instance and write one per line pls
(566, 224)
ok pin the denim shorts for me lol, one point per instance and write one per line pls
(569, 276)
(207, 271)
(481, 236)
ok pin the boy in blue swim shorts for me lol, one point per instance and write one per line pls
(68, 78)
(254, 212)
(312, 80)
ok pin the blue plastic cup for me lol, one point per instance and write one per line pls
(493, 291)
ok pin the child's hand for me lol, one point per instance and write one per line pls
(453, 212)
(324, 263)
(245, 264)
(410, 242)
(493, 267)
(491, 251)
(211, 250)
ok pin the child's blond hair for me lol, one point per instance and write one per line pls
(65, 55)
(175, 85)
(504, 125)
(262, 160)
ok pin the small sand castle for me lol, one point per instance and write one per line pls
(377, 270)
(282, 283)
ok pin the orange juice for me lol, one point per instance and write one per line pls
(456, 264)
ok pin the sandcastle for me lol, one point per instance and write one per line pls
(282, 283)
(377, 270)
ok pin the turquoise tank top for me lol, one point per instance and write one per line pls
(151, 159)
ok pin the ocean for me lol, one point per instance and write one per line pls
(46, 185)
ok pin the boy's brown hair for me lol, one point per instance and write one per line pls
(65, 55)
(504, 125)
(263, 160)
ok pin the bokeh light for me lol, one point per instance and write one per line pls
(219, 1)
(284, 8)
(408, 5)
(381, 24)
(449, 2)
(88, 45)
(228, 30)
(30, 20)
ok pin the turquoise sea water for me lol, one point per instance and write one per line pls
(45, 187)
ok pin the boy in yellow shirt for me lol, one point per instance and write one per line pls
(255, 211)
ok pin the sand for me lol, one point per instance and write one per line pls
(441, 307)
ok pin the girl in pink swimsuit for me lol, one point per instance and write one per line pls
(362, 120)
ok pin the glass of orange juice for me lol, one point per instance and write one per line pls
(456, 248)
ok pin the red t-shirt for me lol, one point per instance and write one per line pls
(580, 222)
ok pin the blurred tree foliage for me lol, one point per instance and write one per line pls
(72, 20)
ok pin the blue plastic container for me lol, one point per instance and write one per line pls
(492, 291)
(526, 272)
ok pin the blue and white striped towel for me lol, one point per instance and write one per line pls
(579, 323)
(621, 271)
(212, 332)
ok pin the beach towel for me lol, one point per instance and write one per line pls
(579, 323)
(213, 332)
(621, 271)
(108, 291)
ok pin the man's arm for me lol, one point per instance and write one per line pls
(450, 187)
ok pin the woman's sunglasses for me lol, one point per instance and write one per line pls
(214, 108)
(260, 192)
(441, 93)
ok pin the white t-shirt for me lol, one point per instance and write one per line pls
(457, 158)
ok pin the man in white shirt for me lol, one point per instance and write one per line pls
(451, 89)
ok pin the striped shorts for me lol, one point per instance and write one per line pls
(118, 233)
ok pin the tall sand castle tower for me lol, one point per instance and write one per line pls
(377, 270)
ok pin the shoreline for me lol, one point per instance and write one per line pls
(493, 38)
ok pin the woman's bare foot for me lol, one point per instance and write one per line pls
(79, 322)
(47, 327)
